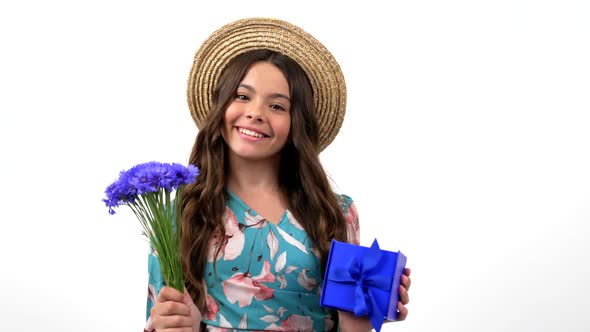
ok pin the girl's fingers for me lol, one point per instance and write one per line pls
(169, 294)
(171, 308)
(407, 271)
(403, 312)
(404, 297)
(406, 281)
(171, 322)
(181, 329)
(195, 313)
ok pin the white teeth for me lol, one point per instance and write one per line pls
(250, 133)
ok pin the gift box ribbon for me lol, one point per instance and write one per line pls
(365, 275)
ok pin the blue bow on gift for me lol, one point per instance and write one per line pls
(365, 274)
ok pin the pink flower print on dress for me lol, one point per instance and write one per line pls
(242, 288)
(305, 281)
(233, 242)
(152, 293)
(212, 308)
(352, 225)
(298, 323)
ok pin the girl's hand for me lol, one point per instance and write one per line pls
(349, 322)
(175, 312)
(404, 297)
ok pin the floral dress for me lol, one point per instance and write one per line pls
(268, 277)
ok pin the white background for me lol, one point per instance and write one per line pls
(465, 145)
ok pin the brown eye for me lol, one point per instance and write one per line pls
(277, 107)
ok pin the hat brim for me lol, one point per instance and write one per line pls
(244, 35)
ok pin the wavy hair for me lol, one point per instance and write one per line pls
(302, 178)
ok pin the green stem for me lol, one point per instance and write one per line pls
(159, 218)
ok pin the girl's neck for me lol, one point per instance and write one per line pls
(252, 175)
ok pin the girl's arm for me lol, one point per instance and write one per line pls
(347, 321)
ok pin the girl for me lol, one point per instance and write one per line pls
(258, 222)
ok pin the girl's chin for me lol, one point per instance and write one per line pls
(254, 155)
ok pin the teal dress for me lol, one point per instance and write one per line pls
(268, 277)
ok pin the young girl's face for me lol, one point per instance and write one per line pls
(257, 122)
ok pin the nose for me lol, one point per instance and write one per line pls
(255, 112)
(254, 116)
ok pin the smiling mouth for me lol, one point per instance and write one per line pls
(251, 133)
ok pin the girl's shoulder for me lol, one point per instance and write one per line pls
(351, 218)
(345, 202)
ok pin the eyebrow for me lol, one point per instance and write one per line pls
(272, 95)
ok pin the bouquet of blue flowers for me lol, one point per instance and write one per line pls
(150, 190)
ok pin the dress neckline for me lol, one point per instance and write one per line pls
(252, 211)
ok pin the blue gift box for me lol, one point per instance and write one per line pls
(364, 281)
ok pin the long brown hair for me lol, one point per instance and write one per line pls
(301, 175)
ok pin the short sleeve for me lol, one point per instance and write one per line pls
(155, 284)
(351, 219)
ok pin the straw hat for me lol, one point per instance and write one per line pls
(244, 35)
